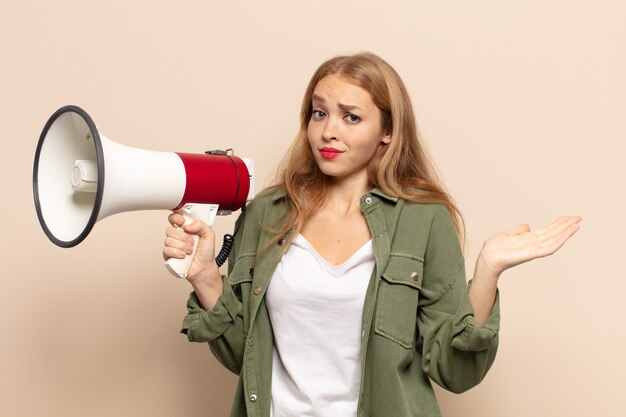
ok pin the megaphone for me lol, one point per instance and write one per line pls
(80, 177)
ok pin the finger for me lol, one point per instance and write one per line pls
(557, 222)
(178, 234)
(552, 245)
(184, 246)
(557, 227)
(199, 228)
(576, 218)
(176, 219)
(169, 252)
(549, 228)
(519, 229)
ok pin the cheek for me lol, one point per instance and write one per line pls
(370, 140)
(310, 132)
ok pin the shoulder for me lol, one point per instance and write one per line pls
(261, 212)
(431, 214)
(269, 203)
(269, 197)
(415, 204)
(431, 222)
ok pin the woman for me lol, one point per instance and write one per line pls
(346, 291)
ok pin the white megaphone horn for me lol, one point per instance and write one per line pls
(80, 177)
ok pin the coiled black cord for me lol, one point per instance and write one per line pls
(229, 241)
(227, 246)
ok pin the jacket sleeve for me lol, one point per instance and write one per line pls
(456, 351)
(222, 327)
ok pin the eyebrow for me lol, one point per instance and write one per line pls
(345, 107)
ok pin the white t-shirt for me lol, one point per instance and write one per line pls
(316, 310)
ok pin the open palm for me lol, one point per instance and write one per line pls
(520, 244)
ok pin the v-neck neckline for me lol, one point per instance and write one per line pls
(365, 250)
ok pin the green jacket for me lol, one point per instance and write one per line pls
(417, 319)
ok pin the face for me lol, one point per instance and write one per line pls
(345, 129)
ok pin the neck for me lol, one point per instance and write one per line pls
(344, 196)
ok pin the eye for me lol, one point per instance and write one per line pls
(352, 118)
(317, 115)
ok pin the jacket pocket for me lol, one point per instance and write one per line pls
(243, 270)
(240, 279)
(397, 299)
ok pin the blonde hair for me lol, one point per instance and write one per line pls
(400, 169)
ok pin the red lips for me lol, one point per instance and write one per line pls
(330, 153)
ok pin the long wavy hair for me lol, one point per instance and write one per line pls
(400, 169)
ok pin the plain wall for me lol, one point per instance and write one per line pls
(521, 104)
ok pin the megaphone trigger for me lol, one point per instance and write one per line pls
(191, 212)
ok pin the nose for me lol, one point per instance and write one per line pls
(329, 131)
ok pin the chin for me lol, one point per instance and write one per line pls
(327, 167)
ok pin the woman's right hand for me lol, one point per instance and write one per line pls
(179, 243)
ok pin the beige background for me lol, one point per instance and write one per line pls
(522, 105)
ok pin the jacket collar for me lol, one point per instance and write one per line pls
(378, 192)
(279, 193)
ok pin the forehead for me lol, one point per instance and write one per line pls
(337, 89)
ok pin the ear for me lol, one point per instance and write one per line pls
(386, 139)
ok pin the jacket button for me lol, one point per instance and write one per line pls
(257, 290)
(415, 276)
(253, 398)
(281, 242)
(368, 200)
(251, 342)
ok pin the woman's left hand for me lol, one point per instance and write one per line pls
(520, 244)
